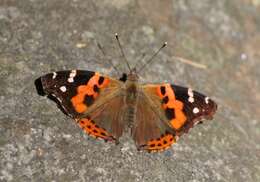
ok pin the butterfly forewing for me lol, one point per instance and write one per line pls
(197, 106)
(57, 86)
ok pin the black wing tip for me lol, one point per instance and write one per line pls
(213, 109)
(39, 87)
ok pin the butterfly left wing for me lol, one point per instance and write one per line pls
(165, 106)
(87, 97)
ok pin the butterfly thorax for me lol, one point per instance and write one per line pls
(131, 86)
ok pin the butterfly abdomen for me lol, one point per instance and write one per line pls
(130, 101)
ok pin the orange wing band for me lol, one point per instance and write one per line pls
(88, 90)
(164, 91)
(160, 144)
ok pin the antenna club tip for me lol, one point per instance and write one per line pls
(165, 43)
(116, 34)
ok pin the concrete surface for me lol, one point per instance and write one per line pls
(39, 143)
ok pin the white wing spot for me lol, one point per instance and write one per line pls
(191, 99)
(73, 73)
(63, 88)
(207, 100)
(196, 110)
(71, 80)
(190, 94)
(54, 75)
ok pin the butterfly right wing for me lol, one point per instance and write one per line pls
(164, 112)
(151, 130)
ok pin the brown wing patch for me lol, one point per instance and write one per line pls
(108, 113)
(102, 117)
(151, 130)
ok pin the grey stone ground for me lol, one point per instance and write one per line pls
(39, 143)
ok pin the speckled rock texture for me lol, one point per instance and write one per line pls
(39, 143)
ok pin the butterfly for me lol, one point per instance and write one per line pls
(157, 114)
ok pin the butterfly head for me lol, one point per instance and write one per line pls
(133, 76)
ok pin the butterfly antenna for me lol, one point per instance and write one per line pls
(122, 51)
(109, 60)
(152, 57)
